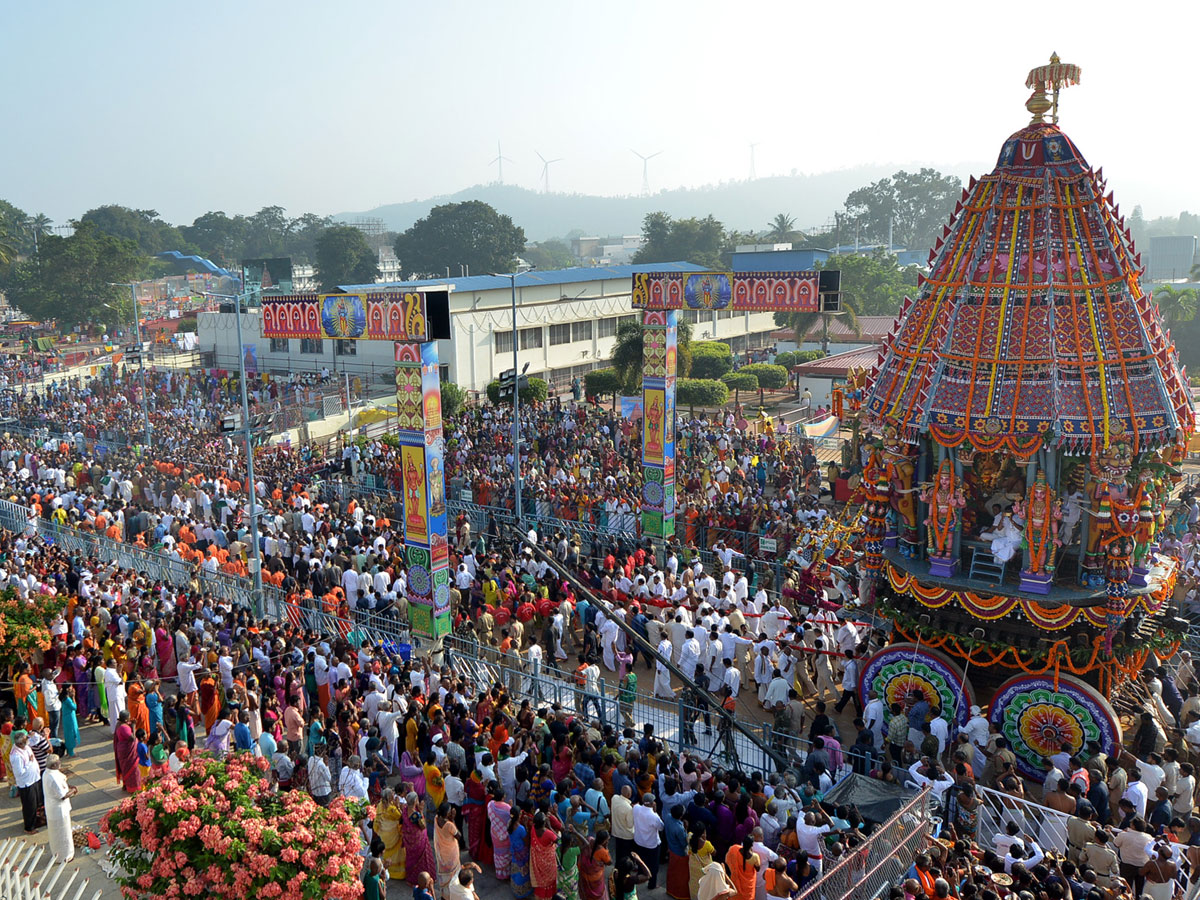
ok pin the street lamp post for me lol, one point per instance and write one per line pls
(516, 425)
(256, 553)
(137, 337)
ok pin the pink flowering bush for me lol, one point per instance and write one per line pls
(216, 829)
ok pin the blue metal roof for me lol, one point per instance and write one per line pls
(530, 279)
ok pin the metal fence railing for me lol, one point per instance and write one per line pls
(23, 878)
(875, 866)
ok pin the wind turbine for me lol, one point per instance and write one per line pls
(546, 170)
(500, 160)
(753, 174)
(645, 168)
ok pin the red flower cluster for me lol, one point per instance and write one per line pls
(217, 829)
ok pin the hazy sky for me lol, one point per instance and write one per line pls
(332, 106)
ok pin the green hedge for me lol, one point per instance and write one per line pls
(602, 382)
(700, 392)
(536, 391)
(710, 360)
(770, 377)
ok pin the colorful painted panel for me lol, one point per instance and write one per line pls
(738, 291)
(660, 336)
(376, 316)
(1038, 717)
(422, 471)
(1032, 321)
(899, 670)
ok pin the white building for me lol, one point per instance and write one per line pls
(566, 320)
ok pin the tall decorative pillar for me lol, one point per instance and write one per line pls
(422, 471)
(660, 350)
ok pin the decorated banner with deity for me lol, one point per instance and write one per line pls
(422, 472)
(660, 339)
(387, 315)
(736, 291)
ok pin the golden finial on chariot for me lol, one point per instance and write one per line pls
(1052, 77)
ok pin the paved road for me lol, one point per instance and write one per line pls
(91, 770)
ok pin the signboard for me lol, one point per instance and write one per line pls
(766, 545)
(384, 316)
(736, 291)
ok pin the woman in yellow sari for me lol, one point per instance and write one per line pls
(700, 854)
(387, 826)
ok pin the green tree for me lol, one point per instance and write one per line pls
(1176, 304)
(40, 224)
(693, 392)
(602, 383)
(535, 391)
(699, 241)
(873, 282)
(738, 382)
(914, 205)
(343, 257)
(628, 353)
(8, 243)
(552, 254)
(770, 377)
(142, 226)
(78, 278)
(787, 359)
(781, 228)
(711, 359)
(453, 399)
(471, 233)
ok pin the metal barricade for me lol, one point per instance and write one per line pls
(1047, 826)
(871, 869)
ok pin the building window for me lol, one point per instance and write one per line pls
(581, 331)
(559, 334)
(504, 341)
(691, 317)
(724, 314)
(311, 345)
(531, 338)
(345, 348)
(606, 328)
(444, 372)
(279, 345)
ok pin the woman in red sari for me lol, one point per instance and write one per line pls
(164, 648)
(543, 861)
(592, 862)
(125, 748)
(478, 827)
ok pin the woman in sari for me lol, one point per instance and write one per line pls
(125, 749)
(743, 863)
(445, 849)
(70, 721)
(499, 813)
(210, 702)
(543, 861)
(135, 702)
(387, 828)
(475, 812)
(164, 648)
(518, 842)
(715, 884)
(418, 855)
(592, 883)
(700, 854)
(568, 865)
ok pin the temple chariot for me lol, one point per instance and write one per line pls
(1024, 427)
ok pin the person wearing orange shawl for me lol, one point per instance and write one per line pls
(210, 701)
(139, 712)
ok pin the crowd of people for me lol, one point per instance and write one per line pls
(468, 777)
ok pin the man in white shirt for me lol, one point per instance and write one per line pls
(320, 781)
(622, 822)
(114, 687)
(351, 781)
(810, 836)
(647, 835)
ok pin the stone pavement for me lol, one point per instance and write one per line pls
(91, 770)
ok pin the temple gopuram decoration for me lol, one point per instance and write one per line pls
(1028, 415)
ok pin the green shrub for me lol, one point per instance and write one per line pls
(770, 377)
(693, 392)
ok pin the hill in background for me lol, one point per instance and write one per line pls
(742, 205)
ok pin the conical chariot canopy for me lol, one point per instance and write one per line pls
(1032, 328)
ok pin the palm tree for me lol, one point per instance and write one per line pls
(627, 354)
(8, 246)
(1195, 274)
(40, 224)
(805, 322)
(781, 227)
(1175, 304)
